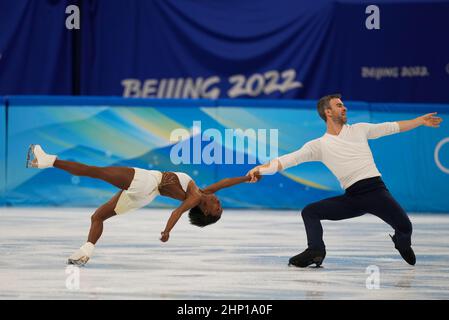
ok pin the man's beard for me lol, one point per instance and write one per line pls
(340, 119)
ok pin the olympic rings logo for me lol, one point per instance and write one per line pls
(436, 155)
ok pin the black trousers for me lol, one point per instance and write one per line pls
(365, 196)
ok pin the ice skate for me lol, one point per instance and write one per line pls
(407, 253)
(37, 158)
(78, 259)
(308, 257)
(82, 255)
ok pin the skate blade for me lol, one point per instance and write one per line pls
(316, 261)
(29, 162)
(78, 262)
(311, 266)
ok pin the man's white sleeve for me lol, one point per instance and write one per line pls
(374, 131)
(311, 151)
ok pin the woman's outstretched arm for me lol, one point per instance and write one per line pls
(226, 183)
(193, 198)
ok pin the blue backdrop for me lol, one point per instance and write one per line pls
(35, 47)
(228, 49)
(140, 133)
(2, 150)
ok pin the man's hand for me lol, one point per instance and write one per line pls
(430, 120)
(164, 236)
(268, 168)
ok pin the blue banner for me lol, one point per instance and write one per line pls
(2, 150)
(282, 49)
(262, 49)
(211, 140)
(402, 60)
(35, 48)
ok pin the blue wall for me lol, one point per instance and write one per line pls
(2, 150)
(287, 49)
(136, 132)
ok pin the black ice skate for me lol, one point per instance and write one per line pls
(307, 258)
(406, 253)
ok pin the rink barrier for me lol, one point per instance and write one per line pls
(134, 132)
(2, 150)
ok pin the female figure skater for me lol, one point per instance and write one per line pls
(138, 187)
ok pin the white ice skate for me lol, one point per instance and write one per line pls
(82, 255)
(78, 258)
(37, 158)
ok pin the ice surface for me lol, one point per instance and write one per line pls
(243, 256)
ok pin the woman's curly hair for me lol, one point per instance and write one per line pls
(198, 218)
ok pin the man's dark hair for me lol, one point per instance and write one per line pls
(198, 218)
(323, 104)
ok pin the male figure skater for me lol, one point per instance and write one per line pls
(345, 151)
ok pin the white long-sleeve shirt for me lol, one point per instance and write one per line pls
(347, 155)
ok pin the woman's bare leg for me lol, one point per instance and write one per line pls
(101, 214)
(81, 256)
(120, 177)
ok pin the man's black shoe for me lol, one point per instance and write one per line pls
(406, 253)
(307, 258)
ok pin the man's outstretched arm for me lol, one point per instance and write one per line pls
(311, 151)
(377, 130)
(428, 120)
(270, 167)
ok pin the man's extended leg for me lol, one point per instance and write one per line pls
(382, 204)
(336, 208)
